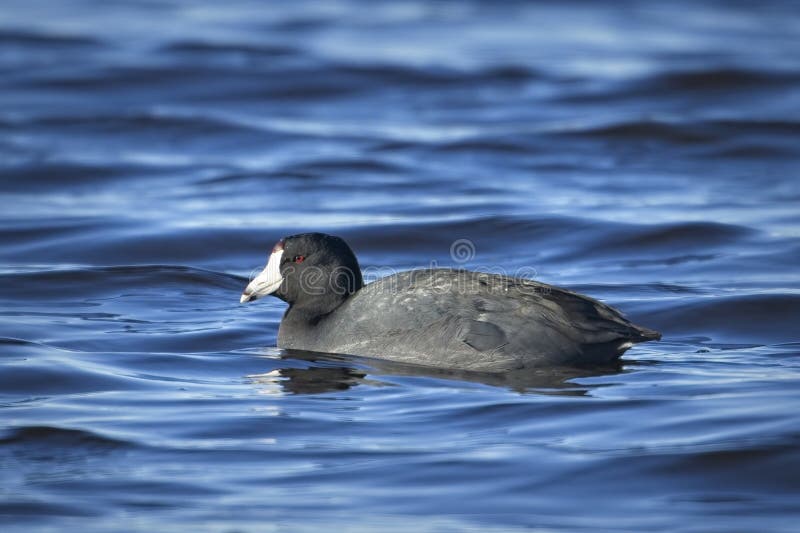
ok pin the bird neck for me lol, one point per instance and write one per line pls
(303, 325)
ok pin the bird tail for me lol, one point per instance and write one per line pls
(641, 334)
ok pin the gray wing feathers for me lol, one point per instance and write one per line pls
(496, 322)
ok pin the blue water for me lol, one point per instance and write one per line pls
(151, 153)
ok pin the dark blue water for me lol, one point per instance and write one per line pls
(645, 153)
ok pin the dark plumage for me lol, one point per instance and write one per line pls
(437, 317)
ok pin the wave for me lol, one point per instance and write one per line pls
(64, 176)
(755, 318)
(487, 144)
(671, 238)
(39, 370)
(127, 78)
(716, 79)
(273, 79)
(644, 129)
(94, 282)
(206, 48)
(690, 83)
(326, 167)
(130, 309)
(148, 122)
(58, 437)
(565, 237)
(394, 75)
(33, 39)
(329, 81)
(97, 244)
(684, 132)
(24, 235)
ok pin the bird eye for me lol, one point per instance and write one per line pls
(299, 259)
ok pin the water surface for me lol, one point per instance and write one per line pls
(151, 153)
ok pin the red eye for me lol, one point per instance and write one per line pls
(299, 259)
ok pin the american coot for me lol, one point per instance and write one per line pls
(443, 318)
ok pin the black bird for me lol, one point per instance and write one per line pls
(445, 318)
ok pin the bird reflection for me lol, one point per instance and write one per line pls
(303, 372)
